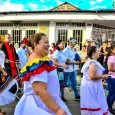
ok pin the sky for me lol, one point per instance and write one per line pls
(36, 5)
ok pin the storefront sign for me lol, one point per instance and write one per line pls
(43, 28)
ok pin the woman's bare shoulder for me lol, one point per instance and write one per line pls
(31, 58)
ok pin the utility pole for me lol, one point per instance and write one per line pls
(114, 5)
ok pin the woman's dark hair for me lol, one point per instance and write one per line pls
(84, 46)
(94, 42)
(35, 38)
(90, 51)
(57, 43)
(53, 45)
(109, 52)
(1, 42)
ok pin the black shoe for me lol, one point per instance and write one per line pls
(77, 98)
(63, 99)
(19, 91)
(112, 111)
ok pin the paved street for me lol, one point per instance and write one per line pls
(72, 105)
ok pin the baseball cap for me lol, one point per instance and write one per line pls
(73, 40)
(109, 40)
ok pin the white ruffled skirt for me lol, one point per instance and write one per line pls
(32, 105)
(7, 97)
(93, 99)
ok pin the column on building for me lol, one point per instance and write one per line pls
(52, 32)
(89, 28)
(70, 34)
(23, 33)
(10, 32)
(113, 34)
(103, 36)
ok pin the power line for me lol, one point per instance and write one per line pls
(79, 2)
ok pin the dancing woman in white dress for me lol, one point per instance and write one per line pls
(41, 85)
(93, 100)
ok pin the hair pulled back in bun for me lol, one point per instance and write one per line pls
(35, 39)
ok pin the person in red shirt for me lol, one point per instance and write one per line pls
(53, 46)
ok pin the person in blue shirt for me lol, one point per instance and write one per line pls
(77, 57)
(23, 54)
(76, 68)
(70, 73)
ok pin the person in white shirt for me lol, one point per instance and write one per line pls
(59, 61)
(76, 68)
(70, 72)
(23, 54)
(2, 72)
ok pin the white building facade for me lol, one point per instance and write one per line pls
(62, 22)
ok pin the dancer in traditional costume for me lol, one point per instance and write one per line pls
(93, 100)
(41, 84)
(6, 82)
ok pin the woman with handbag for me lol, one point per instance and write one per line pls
(59, 61)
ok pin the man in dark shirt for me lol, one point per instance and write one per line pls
(11, 57)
